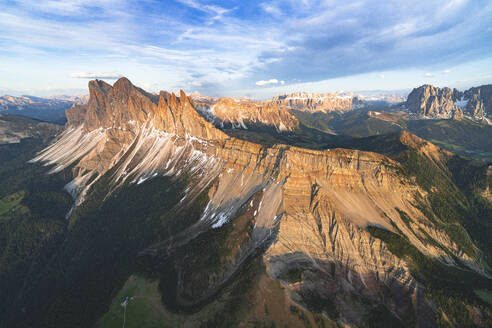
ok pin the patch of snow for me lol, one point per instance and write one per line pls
(141, 180)
(461, 102)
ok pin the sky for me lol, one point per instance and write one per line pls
(244, 48)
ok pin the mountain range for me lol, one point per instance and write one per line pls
(426, 101)
(433, 102)
(48, 109)
(203, 212)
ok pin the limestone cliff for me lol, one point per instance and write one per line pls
(274, 113)
(310, 209)
(430, 101)
(241, 113)
(433, 102)
(323, 102)
(479, 101)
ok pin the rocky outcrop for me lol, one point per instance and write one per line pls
(479, 101)
(125, 107)
(430, 101)
(457, 114)
(433, 102)
(244, 113)
(474, 107)
(274, 113)
(309, 208)
(318, 102)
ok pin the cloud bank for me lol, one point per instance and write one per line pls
(229, 47)
(85, 75)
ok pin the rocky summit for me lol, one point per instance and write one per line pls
(229, 232)
(322, 102)
(276, 113)
(241, 113)
(434, 102)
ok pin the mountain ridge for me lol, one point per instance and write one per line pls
(434, 102)
(311, 217)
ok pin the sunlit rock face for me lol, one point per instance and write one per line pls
(275, 113)
(319, 102)
(315, 204)
(433, 102)
(480, 101)
(245, 113)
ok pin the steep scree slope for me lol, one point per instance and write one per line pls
(309, 209)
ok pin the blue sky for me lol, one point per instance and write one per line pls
(244, 48)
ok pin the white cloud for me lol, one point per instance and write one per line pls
(85, 75)
(196, 83)
(219, 43)
(446, 71)
(271, 9)
(267, 82)
(216, 12)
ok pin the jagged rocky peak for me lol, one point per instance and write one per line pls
(324, 102)
(479, 101)
(317, 204)
(126, 107)
(457, 114)
(433, 102)
(275, 113)
(430, 101)
(246, 113)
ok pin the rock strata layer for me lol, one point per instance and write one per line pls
(318, 204)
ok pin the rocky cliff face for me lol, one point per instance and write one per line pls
(430, 101)
(434, 102)
(322, 102)
(274, 113)
(479, 101)
(310, 209)
(241, 113)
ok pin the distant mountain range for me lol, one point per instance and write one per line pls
(426, 101)
(49, 109)
(14, 128)
(429, 101)
(279, 112)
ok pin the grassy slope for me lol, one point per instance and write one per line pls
(11, 205)
(465, 137)
(304, 136)
(356, 123)
(144, 308)
(253, 299)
